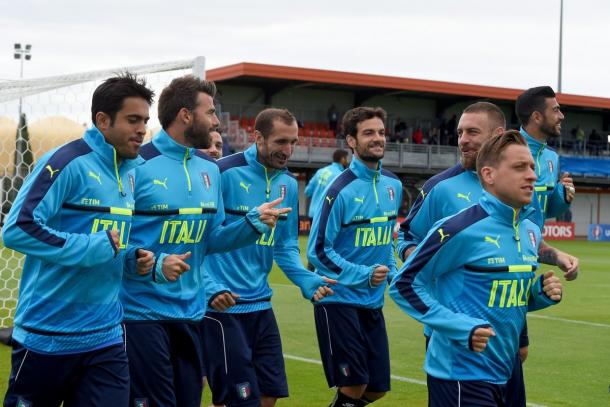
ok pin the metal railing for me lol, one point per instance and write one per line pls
(314, 150)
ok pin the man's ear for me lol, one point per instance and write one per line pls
(102, 121)
(537, 117)
(351, 141)
(184, 116)
(487, 175)
(498, 130)
(258, 137)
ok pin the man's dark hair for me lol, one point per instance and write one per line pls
(490, 154)
(532, 100)
(182, 93)
(339, 154)
(352, 117)
(109, 96)
(494, 113)
(264, 120)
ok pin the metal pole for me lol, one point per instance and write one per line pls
(199, 67)
(20, 77)
(560, 44)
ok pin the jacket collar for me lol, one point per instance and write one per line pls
(96, 140)
(499, 210)
(170, 148)
(534, 145)
(362, 171)
(471, 173)
(337, 166)
(251, 156)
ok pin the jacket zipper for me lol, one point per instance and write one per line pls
(116, 173)
(186, 171)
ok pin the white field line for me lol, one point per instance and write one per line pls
(529, 315)
(394, 377)
(571, 321)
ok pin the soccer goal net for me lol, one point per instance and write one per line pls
(37, 115)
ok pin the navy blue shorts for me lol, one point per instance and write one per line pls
(164, 364)
(96, 378)
(243, 357)
(353, 346)
(515, 387)
(467, 393)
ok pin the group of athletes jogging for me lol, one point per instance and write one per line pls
(146, 268)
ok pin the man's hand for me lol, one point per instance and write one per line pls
(480, 337)
(269, 214)
(568, 264)
(568, 183)
(145, 261)
(551, 286)
(174, 265)
(114, 234)
(408, 252)
(379, 275)
(323, 290)
(224, 301)
(523, 352)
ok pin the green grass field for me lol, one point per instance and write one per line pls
(569, 362)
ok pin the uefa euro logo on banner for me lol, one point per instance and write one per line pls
(599, 233)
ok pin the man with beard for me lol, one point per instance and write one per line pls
(540, 116)
(352, 241)
(472, 279)
(178, 219)
(71, 219)
(244, 360)
(458, 188)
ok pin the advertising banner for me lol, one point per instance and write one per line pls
(558, 231)
(599, 233)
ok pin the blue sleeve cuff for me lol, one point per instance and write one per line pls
(216, 295)
(373, 267)
(404, 248)
(543, 295)
(116, 249)
(565, 196)
(524, 339)
(253, 219)
(157, 274)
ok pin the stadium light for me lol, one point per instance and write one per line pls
(22, 54)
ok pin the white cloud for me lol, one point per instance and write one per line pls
(495, 43)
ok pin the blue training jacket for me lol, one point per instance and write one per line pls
(483, 260)
(550, 195)
(178, 208)
(353, 233)
(318, 184)
(61, 220)
(246, 183)
(443, 195)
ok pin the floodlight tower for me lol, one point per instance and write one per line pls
(24, 53)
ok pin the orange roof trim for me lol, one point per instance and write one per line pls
(387, 82)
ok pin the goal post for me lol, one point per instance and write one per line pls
(37, 115)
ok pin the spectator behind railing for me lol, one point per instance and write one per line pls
(595, 143)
